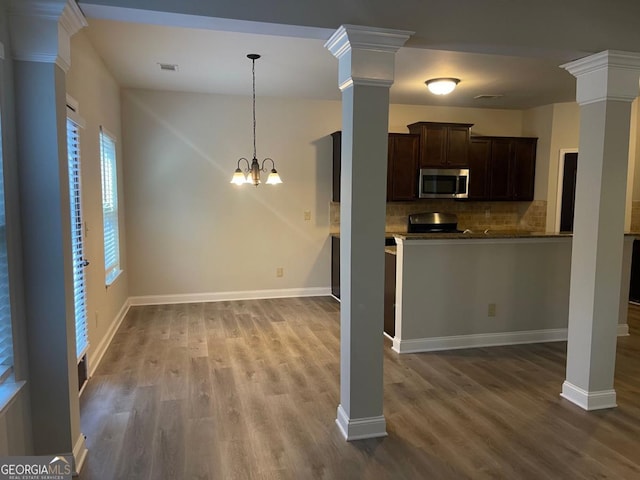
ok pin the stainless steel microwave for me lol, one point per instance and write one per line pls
(444, 183)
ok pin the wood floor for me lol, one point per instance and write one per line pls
(249, 389)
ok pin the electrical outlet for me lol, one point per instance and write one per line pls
(487, 212)
(279, 272)
(307, 215)
(491, 310)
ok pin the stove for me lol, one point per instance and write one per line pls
(433, 222)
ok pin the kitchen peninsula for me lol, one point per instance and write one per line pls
(462, 290)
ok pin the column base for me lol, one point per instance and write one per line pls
(589, 400)
(360, 428)
(79, 454)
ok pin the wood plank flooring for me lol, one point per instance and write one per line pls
(249, 390)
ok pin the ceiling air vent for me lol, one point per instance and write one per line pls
(487, 96)
(168, 67)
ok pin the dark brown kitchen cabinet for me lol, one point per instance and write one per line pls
(402, 166)
(479, 157)
(524, 168)
(335, 266)
(390, 294)
(337, 162)
(442, 145)
(502, 168)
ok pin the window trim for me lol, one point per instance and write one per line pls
(79, 315)
(112, 272)
(7, 370)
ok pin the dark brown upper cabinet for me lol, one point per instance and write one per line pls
(442, 145)
(337, 162)
(402, 166)
(479, 158)
(502, 168)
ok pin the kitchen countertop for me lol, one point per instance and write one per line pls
(481, 234)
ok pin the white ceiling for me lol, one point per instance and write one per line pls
(212, 61)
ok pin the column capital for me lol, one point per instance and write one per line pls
(41, 30)
(608, 75)
(366, 55)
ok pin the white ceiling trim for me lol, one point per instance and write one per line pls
(134, 15)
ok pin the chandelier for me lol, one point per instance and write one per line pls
(251, 173)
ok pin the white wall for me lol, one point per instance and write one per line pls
(98, 94)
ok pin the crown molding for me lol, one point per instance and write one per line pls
(41, 30)
(366, 55)
(72, 18)
(609, 75)
(37, 8)
(350, 37)
(606, 59)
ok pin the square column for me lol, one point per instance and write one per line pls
(607, 83)
(366, 68)
(40, 35)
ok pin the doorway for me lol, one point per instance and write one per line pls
(568, 167)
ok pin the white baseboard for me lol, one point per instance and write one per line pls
(486, 340)
(95, 359)
(226, 296)
(79, 455)
(360, 428)
(589, 400)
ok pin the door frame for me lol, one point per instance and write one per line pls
(563, 152)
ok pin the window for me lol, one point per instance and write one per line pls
(110, 206)
(6, 337)
(77, 243)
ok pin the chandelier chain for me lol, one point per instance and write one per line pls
(253, 72)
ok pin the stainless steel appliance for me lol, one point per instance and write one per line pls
(443, 183)
(433, 222)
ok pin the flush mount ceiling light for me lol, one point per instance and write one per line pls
(442, 86)
(253, 171)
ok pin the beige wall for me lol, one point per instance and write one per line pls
(188, 229)
(557, 127)
(98, 95)
(485, 121)
(537, 122)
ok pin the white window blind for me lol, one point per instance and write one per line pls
(110, 206)
(77, 243)
(6, 337)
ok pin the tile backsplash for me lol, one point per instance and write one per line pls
(529, 216)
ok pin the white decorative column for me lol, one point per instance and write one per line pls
(365, 73)
(607, 83)
(40, 38)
